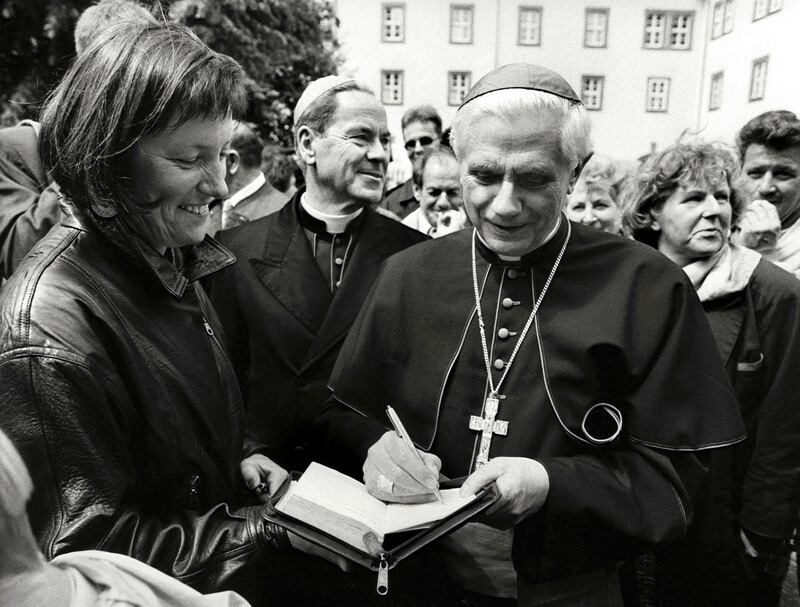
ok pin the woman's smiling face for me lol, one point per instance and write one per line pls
(178, 172)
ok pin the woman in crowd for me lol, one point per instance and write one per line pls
(683, 202)
(117, 390)
(593, 202)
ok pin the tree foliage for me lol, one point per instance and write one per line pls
(281, 44)
(37, 46)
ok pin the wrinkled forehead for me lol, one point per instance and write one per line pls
(359, 109)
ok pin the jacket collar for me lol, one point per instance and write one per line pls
(289, 271)
(175, 270)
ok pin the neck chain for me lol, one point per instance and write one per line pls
(494, 390)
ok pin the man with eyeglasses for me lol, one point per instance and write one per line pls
(422, 130)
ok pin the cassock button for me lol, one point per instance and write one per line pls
(499, 364)
(507, 303)
(338, 261)
(502, 333)
(512, 273)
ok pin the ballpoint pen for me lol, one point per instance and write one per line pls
(401, 432)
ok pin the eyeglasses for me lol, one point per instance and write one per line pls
(423, 141)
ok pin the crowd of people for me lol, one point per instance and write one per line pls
(189, 315)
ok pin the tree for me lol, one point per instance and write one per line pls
(37, 46)
(281, 44)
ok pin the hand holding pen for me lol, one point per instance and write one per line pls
(395, 471)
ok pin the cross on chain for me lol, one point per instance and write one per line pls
(488, 426)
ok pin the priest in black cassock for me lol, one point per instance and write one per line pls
(571, 367)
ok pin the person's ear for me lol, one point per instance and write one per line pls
(654, 224)
(232, 161)
(304, 149)
(573, 178)
(416, 190)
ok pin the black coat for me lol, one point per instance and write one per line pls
(283, 325)
(619, 324)
(124, 405)
(754, 485)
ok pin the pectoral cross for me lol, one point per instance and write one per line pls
(487, 425)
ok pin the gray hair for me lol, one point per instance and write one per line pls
(576, 139)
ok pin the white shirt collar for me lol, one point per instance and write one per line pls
(512, 258)
(334, 224)
(248, 190)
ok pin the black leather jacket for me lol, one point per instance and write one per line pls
(124, 405)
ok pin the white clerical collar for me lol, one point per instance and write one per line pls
(334, 224)
(513, 258)
(248, 190)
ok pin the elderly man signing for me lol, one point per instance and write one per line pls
(571, 367)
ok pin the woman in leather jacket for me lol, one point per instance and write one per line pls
(683, 202)
(116, 388)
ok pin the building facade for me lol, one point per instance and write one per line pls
(643, 67)
(750, 65)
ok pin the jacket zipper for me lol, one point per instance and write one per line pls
(382, 586)
(194, 498)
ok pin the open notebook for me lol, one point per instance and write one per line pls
(335, 511)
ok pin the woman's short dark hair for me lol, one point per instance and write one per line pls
(663, 173)
(134, 80)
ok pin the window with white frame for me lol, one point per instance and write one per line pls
(668, 30)
(775, 6)
(657, 95)
(393, 23)
(596, 28)
(715, 92)
(655, 25)
(717, 20)
(758, 79)
(592, 92)
(680, 31)
(727, 19)
(392, 87)
(458, 84)
(461, 18)
(760, 8)
(530, 26)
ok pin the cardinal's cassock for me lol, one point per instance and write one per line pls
(616, 387)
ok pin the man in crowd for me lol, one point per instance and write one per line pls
(28, 201)
(769, 146)
(300, 278)
(572, 368)
(422, 130)
(438, 191)
(302, 274)
(251, 195)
